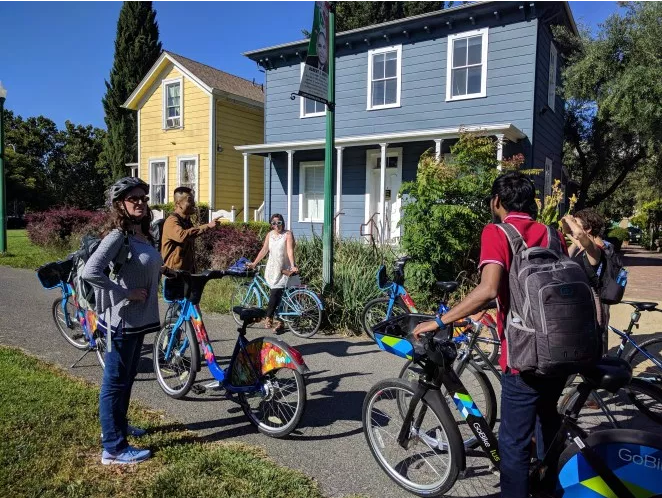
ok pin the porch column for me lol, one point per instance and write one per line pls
(499, 150)
(382, 193)
(437, 148)
(245, 154)
(290, 174)
(338, 188)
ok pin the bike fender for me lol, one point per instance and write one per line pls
(433, 399)
(271, 354)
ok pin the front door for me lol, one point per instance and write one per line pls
(392, 184)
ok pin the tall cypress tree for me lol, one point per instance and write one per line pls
(137, 47)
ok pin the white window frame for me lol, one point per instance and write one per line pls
(164, 109)
(151, 161)
(484, 32)
(376, 51)
(191, 157)
(302, 188)
(551, 82)
(302, 104)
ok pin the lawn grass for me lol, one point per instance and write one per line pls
(50, 447)
(21, 253)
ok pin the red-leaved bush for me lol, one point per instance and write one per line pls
(222, 246)
(54, 228)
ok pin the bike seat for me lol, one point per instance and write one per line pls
(641, 306)
(249, 314)
(609, 373)
(447, 286)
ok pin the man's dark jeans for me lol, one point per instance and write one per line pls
(525, 399)
(118, 376)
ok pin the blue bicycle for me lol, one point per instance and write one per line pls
(300, 308)
(264, 376)
(76, 324)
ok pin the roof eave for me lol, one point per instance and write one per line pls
(238, 98)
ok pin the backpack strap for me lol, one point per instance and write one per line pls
(121, 258)
(515, 239)
(553, 240)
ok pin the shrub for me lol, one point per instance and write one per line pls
(621, 234)
(228, 242)
(54, 228)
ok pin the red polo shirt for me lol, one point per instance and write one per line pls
(495, 249)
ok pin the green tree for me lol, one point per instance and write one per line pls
(137, 47)
(613, 87)
(353, 15)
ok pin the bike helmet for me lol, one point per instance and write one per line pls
(124, 185)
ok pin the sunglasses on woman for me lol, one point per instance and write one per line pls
(276, 223)
(135, 199)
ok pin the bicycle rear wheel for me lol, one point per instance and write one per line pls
(488, 342)
(376, 311)
(67, 323)
(430, 463)
(246, 297)
(276, 408)
(306, 314)
(176, 369)
(101, 347)
(479, 387)
(643, 366)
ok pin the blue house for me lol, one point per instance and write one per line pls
(402, 88)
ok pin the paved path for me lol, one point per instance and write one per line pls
(645, 278)
(330, 445)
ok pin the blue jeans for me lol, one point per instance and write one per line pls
(118, 376)
(525, 400)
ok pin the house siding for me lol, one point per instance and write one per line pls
(510, 88)
(238, 124)
(191, 140)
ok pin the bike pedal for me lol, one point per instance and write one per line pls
(198, 389)
(213, 386)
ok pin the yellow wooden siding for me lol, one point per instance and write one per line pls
(238, 124)
(191, 140)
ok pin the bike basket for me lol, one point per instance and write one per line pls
(52, 274)
(395, 335)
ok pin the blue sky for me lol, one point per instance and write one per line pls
(54, 56)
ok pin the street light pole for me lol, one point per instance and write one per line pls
(3, 197)
(327, 232)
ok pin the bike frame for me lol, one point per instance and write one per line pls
(394, 292)
(626, 337)
(260, 286)
(191, 313)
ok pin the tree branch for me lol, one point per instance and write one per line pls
(627, 167)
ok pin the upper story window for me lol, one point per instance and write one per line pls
(551, 86)
(311, 108)
(172, 104)
(384, 77)
(466, 76)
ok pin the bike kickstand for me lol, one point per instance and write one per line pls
(73, 365)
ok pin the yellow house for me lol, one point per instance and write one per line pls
(190, 118)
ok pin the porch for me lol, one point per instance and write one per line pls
(368, 173)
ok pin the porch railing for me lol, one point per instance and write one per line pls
(258, 214)
(230, 216)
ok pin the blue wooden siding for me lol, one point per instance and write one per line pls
(510, 86)
(548, 125)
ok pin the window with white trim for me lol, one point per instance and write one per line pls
(466, 75)
(311, 188)
(188, 173)
(157, 188)
(549, 167)
(551, 86)
(384, 77)
(311, 108)
(172, 104)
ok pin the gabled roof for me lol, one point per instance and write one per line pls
(209, 79)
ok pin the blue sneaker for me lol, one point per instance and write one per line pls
(129, 456)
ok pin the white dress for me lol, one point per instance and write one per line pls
(277, 262)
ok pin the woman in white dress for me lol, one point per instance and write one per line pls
(279, 243)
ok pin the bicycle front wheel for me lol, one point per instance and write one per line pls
(376, 311)
(176, 359)
(67, 323)
(647, 368)
(246, 297)
(276, 408)
(429, 463)
(488, 342)
(101, 347)
(478, 386)
(301, 312)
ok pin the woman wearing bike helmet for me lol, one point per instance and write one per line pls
(127, 305)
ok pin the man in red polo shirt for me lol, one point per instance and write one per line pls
(523, 397)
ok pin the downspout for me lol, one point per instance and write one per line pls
(212, 155)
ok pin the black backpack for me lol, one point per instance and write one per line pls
(156, 231)
(604, 279)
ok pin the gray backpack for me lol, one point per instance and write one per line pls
(551, 327)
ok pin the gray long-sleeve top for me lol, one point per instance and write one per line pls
(141, 271)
